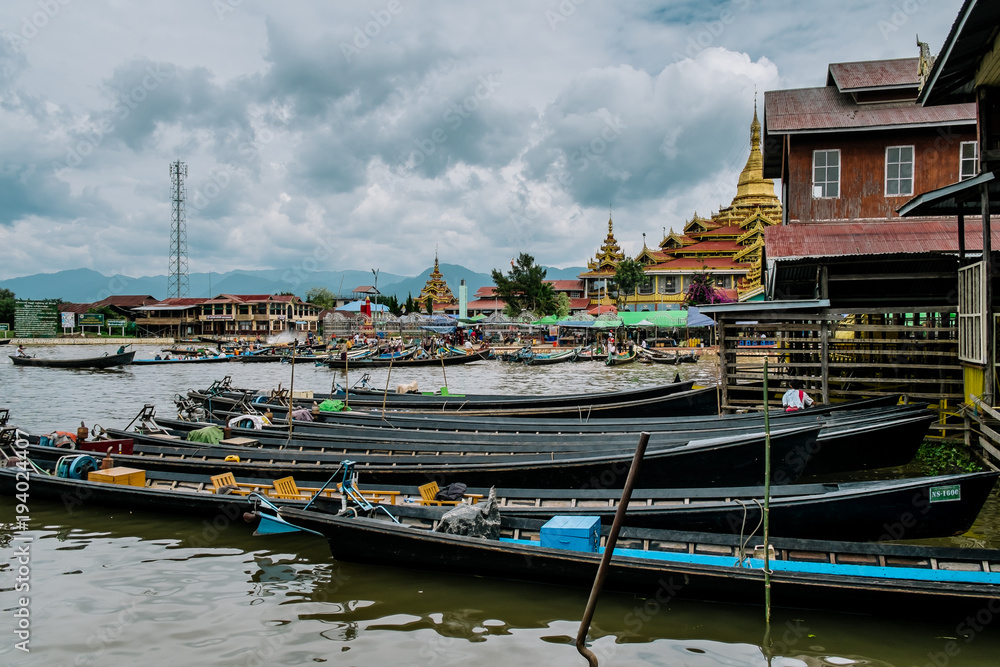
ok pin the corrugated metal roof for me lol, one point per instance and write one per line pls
(971, 37)
(875, 74)
(880, 238)
(565, 285)
(824, 109)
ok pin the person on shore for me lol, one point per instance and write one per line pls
(795, 398)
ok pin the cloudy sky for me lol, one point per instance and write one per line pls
(357, 134)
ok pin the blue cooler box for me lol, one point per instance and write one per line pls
(575, 533)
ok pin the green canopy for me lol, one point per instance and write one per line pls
(607, 324)
(658, 318)
(547, 320)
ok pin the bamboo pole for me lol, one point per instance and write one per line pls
(767, 512)
(291, 392)
(609, 549)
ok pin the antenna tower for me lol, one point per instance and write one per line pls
(177, 280)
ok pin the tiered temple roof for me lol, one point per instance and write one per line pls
(437, 289)
(605, 263)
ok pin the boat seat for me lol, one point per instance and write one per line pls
(428, 491)
(285, 488)
(226, 483)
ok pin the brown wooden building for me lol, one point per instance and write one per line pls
(862, 146)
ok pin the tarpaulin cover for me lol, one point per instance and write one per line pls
(330, 405)
(210, 435)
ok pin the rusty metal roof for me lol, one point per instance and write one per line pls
(826, 109)
(972, 36)
(872, 238)
(869, 74)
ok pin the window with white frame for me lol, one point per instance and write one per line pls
(826, 174)
(898, 171)
(969, 160)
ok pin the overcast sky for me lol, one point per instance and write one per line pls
(351, 135)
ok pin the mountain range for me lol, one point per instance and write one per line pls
(88, 286)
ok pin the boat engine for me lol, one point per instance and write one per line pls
(76, 466)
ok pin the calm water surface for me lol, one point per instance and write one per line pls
(120, 588)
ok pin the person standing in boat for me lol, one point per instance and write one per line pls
(795, 398)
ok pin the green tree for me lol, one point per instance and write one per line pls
(411, 305)
(628, 276)
(392, 303)
(7, 307)
(322, 297)
(523, 288)
(562, 305)
(429, 305)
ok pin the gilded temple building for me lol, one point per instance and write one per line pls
(601, 269)
(437, 290)
(728, 245)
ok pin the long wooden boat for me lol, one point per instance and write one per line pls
(692, 402)
(185, 360)
(448, 360)
(222, 390)
(857, 511)
(622, 359)
(727, 461)
(107, 361)
(665, 564)
(840, 446)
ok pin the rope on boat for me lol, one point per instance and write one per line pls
(741, 555)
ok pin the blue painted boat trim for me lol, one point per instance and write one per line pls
(839, 569)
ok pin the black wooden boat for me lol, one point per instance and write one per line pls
(846, 441)
(222, 390)
(374, 362)
(692, 402)
(726, 461)
(857, 511)
(861, 577)
(107, 361)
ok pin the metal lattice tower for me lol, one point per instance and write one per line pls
(177, 279)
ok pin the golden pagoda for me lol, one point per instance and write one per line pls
(603, 266)
(437, 289)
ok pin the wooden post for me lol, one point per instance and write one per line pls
(961, 236)
(824, 328)
(988, 380)
(723, 364)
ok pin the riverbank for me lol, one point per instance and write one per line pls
(117, 340)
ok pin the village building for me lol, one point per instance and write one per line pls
(860, 301)
(486, 302)
(231, 315)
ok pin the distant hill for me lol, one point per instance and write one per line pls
(87, 285)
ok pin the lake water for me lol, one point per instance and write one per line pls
(112, 587)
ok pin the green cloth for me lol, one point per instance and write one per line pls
(333, 406)
(210, 435)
